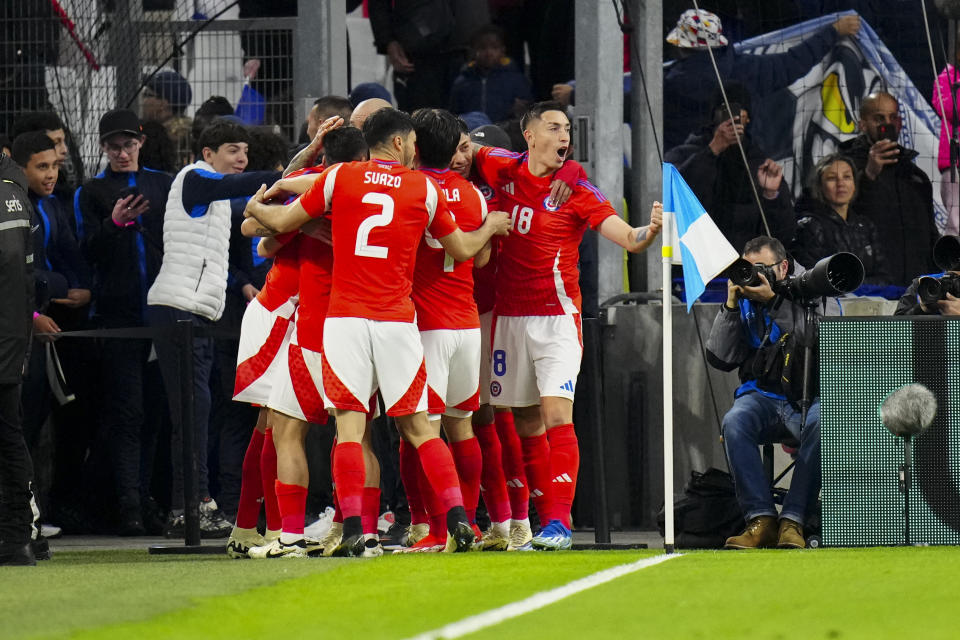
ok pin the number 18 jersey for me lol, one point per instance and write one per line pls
(379, 211)
(537, 272)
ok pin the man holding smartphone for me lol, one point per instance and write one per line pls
(895, 193)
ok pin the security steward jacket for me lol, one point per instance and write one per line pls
(16, 271)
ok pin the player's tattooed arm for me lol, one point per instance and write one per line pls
(251, 228)
(308, 156)
(633, 239)
(274, 217)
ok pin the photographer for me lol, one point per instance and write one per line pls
(755, 328)
(937, 294)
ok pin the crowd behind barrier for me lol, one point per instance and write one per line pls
(105, 181)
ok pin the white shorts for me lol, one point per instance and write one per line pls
(361, 356)
(486, 319)
(298, 392)
(264, 335)
(453, 369)
(533, 357)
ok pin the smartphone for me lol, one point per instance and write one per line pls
(887, 131)
(128, 191)
(721, 115)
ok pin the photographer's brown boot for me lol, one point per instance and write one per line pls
(761, 532)
(791, 535)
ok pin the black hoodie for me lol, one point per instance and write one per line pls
(16, 271)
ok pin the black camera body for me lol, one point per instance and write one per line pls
(834, 275)
(747, 274)
(931, 289)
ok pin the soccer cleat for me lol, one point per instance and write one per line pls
(351, 546)
(41, 548)
(321, 526)
(553, 537)
(371, 546)
(460, 538)
(242, 540)
(385, 521)
(332, 539)
(428, 544)
(277, 549)
(520, 535)
(414, 534)
(271, 535)
(14, 554)
(212, 522)
(496, 538)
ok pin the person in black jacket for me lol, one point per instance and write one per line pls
(712, 165)
(828, 223)
(121, 230)
(894, 193)
(16, 291)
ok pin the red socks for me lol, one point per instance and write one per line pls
(469, 465)
(268, 473)
(564, 464)
(536, 459)
(348, 477)
(251, 484)
(292, 499)
(492, 483)
(410, 477)
(441, 473)
(513, 468)
(371, 509)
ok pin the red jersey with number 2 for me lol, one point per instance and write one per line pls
(537, 272)
(443, 287)
(379, 211)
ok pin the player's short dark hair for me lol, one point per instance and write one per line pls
(344, 144)
(267, 149)
(536, 111)
(384, 124)
(221, 132)
(438, 134)
(766, 242)
(29, 143)
(36, 121)
(329, 106)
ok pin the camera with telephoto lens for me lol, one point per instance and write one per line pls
(834, 275)
(946, 255)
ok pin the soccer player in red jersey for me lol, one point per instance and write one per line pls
(537, 343)
(379, 210)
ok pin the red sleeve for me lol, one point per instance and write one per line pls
(571, 172)
(443, 223)
(591, 205)
(491, 163)
(316, 199)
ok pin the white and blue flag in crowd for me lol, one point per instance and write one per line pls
(808, 120)
(704, 251)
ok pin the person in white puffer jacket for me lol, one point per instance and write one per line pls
(191, 286)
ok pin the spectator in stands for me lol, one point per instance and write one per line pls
(16, 291)
(158, 150)
(491, 82)
(894, 193)
(690, 80)
(5, 145)
(828, 223)
(745, 333)
(50, 123)
(121, 230)
(425, 41)
(212, 108)
(191, 286)
(711, 163)
(165, 98)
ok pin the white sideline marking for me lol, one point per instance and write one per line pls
(538, 600)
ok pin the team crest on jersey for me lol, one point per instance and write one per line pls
(486, 191)
(495, 388)
(549, 205)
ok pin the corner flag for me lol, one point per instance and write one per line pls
(704, 250)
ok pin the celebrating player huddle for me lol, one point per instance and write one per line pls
(386, 258)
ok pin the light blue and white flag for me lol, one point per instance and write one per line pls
(704, 251)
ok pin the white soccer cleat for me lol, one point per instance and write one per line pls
(277, 549)
(520, 535)
(371, 546)
(321, 527)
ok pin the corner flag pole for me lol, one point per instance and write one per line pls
(667, 253)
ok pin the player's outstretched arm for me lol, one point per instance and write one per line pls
(276, 218)
(633, 239)
(251, 228)
(463, 246)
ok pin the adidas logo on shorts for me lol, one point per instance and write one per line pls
(567, 386)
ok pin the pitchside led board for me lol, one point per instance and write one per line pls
(863, 361)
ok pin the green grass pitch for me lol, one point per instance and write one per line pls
(827, 593)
